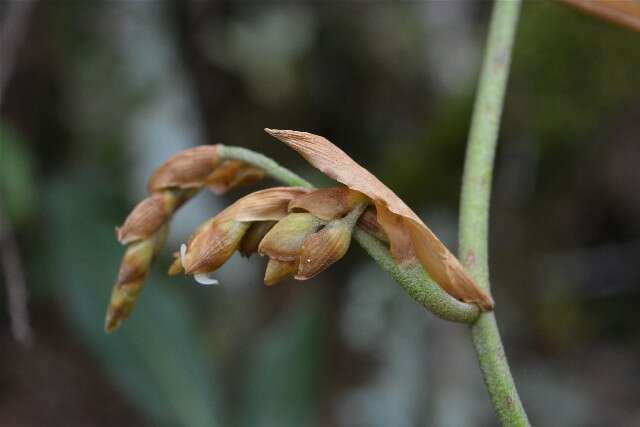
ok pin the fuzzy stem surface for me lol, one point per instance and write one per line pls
(413, 279)
(475, 202)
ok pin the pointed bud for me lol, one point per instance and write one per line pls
(324, 248)
(254, 236)
(176, 266)
(187, 169)
(231, 174)
(278, 271)
(328, 203)
(133, 271)
(212, 245)
(284, 240)
(147, 217)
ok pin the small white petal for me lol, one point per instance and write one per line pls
(206, 279)
(183, 253)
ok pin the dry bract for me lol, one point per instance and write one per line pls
(215, 241)
(187, 169)
(329, 203)
(410, 239)
(231, 174)
(171, 185)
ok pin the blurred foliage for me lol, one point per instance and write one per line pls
(155, 357)
(17, 182)
(94, 105)
(571, 73)
(284, 375)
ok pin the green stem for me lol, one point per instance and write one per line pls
(474, 207)
(413, 280)
(271, 168)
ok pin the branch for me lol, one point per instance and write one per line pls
(414, 280)
(474, 206)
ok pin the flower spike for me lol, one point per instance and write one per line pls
(410, 239)
(216, 240)
(171, 185)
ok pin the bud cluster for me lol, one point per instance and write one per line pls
(144, 231)
(302, 233)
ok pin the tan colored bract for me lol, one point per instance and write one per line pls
(410, 239)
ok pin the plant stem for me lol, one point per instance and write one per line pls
(474, 207)
(414, 280)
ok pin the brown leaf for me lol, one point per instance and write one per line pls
(396, 218)
(622, 12)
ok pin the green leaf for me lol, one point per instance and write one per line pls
(17, 187)
(284, 381)
(155, 357)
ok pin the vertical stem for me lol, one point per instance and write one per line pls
(474, 206)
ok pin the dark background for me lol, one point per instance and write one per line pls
(102, 92)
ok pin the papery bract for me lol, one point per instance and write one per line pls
(410, 239)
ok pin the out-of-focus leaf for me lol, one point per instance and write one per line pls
(284, 380)
(154, 357)
(16, 180)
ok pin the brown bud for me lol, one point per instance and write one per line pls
(187, 169)
(147, 217)
(133, 271)
(284, 240)
(321, 249)
(279, 270)
(328, 203)
(212, 245)
(254, 236)
(176, 266)
(231, 174)
(369, 223)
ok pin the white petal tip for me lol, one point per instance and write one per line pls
(183, 253)
(205, 279)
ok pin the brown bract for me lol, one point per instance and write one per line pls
(410, 239)
(187, 169)
(213, 242)
(622, 12)
(231, 174)
(147, 217)
(324, 248)
(329, 203)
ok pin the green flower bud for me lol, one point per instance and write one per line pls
(284, 240)
(279, 270)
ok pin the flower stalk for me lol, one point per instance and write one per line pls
(475, 202)
(412, 278)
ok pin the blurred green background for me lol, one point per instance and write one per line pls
(102, 92)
